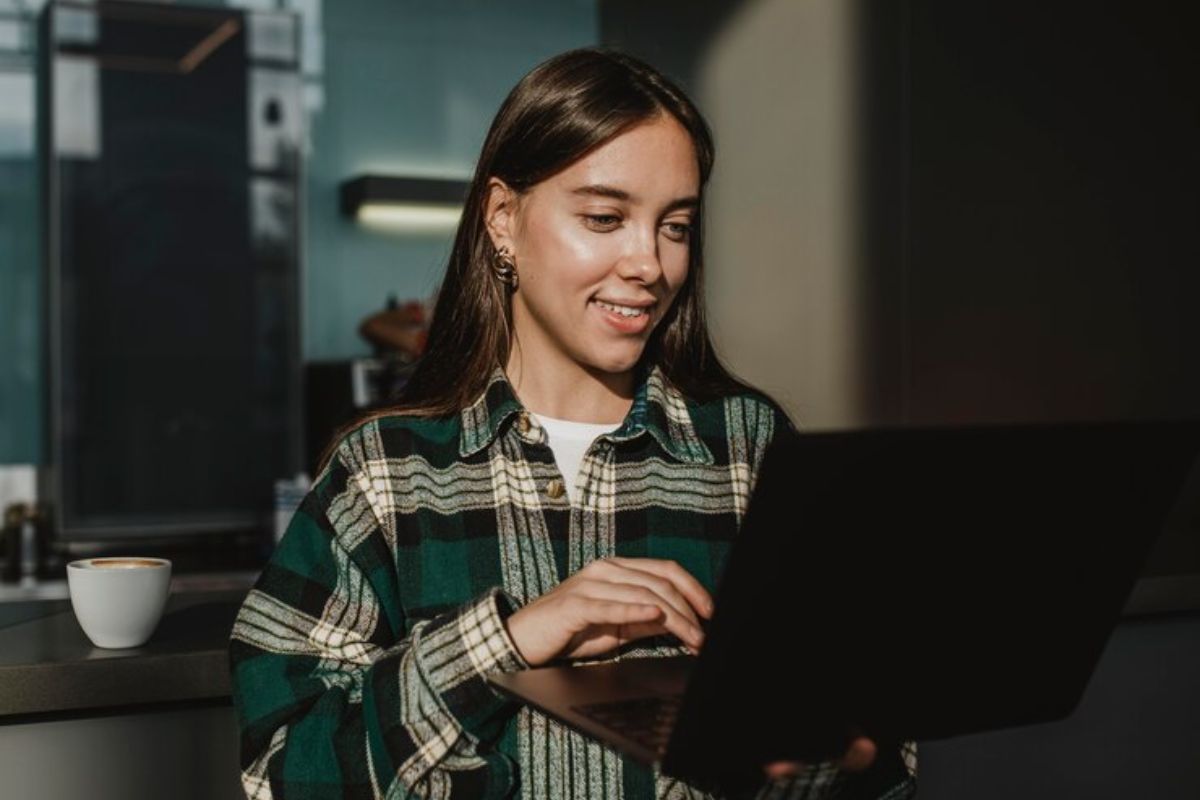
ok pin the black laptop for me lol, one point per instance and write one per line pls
(927, 583)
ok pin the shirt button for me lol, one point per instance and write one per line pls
(555, 489)
(523, 423)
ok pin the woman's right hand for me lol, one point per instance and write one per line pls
(608, 603)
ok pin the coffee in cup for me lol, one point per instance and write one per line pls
(119, 601)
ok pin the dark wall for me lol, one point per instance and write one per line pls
(1031, 201)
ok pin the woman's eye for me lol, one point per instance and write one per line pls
(678, 231)
(602, 222)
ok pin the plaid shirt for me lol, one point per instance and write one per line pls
(359, 657)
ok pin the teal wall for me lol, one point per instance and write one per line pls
(409, 87)
(394, 86)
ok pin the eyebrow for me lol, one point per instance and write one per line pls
(602, 190)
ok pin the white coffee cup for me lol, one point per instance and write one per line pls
(119, 601)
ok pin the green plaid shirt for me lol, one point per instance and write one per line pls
(359, 657)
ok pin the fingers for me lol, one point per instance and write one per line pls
(596, 611)
(684, 626)
(624, 622)
(860, 755)
(547, 627)
(683, 584)
(627, 622)
(614, 573)
(782, 769)
(611, 602)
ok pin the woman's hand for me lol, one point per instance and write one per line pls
(859, 755)
(608, 603)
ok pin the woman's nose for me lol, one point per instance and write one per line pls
(642, 261)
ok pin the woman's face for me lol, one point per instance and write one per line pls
(601, 250)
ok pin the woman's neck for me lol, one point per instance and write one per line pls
(577, 395)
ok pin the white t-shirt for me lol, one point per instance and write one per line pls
(569, 441)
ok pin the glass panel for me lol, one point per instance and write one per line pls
(175, 377)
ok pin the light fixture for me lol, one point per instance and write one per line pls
(408, 204)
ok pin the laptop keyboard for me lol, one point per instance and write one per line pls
(646, 720)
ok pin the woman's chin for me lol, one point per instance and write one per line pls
(617, 364)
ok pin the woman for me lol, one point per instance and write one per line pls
(561, 480)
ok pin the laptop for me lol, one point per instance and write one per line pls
(912, 583)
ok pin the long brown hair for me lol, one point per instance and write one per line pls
(558, 113)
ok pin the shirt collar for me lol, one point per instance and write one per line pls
(659, 410)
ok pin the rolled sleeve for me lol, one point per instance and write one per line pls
(455, 653)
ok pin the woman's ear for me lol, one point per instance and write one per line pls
(499, 214)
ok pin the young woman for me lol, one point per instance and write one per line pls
(561, 481)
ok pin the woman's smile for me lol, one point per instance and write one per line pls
(625, 318)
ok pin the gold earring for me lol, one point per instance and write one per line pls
(504, 266)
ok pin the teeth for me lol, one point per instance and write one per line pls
(624, 311)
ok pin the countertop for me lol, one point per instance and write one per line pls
(48, 665)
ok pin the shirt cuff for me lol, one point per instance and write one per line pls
(457, 650)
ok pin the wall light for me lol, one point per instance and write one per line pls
(409, 204)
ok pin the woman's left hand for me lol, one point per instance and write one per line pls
(859, 755)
